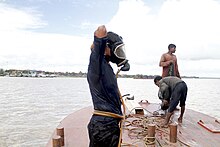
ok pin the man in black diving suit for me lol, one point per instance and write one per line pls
(103, 127)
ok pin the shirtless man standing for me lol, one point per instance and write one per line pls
(169, 62)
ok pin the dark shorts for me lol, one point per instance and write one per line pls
(178, 95)
(103, 131)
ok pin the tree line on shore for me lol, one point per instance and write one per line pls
(41, 73)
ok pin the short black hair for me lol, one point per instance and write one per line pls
(157, 78)
(171, 46)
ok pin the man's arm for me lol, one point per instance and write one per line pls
(165, 92)
(98, 49)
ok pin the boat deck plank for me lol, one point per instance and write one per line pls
(189, 133)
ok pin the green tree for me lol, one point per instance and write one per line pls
(2, 72)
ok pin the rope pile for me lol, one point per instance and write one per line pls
(137, 127)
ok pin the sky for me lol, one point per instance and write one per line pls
(56, 35)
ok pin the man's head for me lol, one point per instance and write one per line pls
(117, 51)
(172, 48)
(156, 80)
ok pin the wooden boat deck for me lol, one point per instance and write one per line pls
(75, 128)
(190, 133)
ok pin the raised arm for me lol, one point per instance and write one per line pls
(98, 48)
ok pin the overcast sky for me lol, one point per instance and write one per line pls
(55, 35)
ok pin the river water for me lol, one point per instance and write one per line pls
(31, 108)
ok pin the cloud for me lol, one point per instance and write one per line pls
(192, 25)
(46, 51)
(23, 48)
(203, 67)
(13, 19)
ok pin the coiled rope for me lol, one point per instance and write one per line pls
(137, 129)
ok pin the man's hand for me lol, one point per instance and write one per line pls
(101, 32)
(171, 62)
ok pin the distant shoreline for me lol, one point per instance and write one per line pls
(44, 74)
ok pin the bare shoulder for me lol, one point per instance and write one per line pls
(101, 31)
(166, 55)
(163, 57)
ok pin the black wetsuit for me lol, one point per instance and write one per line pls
(103, 131)
(174, 90)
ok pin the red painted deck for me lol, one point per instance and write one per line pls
(190, 133)
(75, 128)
